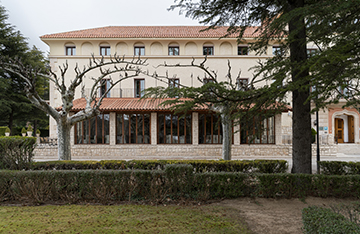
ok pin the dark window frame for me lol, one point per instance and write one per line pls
(136, 93)
(71, 49)
(171, 128)
(139, 50)
(96, 130)
(208, 50)
(254, 133)
(243, 50)
(172, 50)
(205, 130)
(131, 114)
(105, 49)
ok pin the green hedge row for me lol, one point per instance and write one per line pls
(175, 182)
(246, 166)
(16, 152)
(339, 168)
(325, 221)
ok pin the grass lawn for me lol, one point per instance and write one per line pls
(119, 219)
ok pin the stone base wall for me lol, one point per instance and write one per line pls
(128, 152)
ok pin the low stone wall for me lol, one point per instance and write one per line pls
(128, 152)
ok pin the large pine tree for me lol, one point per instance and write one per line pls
(15, 108)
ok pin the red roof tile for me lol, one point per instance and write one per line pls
(150, 32)
(133, 104)
(126, 104)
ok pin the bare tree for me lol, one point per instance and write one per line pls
(231, 99)
(105, 68)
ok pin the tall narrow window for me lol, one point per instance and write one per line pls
(208, 50)
(93, 131)
(105, 85)
(243, 50)
(139, 50)
(311, 52)
(104, 50)
(257, 131)
(210, 129)
(139, 85)
(174, 50)
(70, 50)
(174, 83)
(174, 129)
(133, 128)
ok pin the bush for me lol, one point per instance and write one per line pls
(16, 152)
(2, 130)
(23, 130)
(339, 168)
(245, 166)
(323, 220)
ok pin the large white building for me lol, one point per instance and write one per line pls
(132, 129)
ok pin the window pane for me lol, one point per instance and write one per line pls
(181, 130)
(208, 129)
(126, 129)
(188, 129)
(140, 122)
(271, 130)
(201, 128)
(264, 131)
(99, 133)
(175, 138)
(133, 128)
(168, 124)
(146, 128)
(243, 50)
(208, 50)
(106, 128)
(161, 126)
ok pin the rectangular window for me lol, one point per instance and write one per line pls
(210, 129)
(243, 50)
(174, 83)
(133, 129)
(139, 50)
(139, 85)
(258, 131)
(242, 84)
(70, 50)
(277, 50)
(173, 50)
(104, 50)
(208, 50)
(93, 131)
(174, 129)
(105, 85)
(311, 52)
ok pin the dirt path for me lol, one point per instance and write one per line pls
(274, 216)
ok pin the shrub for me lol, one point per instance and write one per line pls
(323, 220)
(2, 130)
(7, 130)
(38, 131)
(339, 168)
(16, 152)
(23, 130)
(29, 129)
(245, 166)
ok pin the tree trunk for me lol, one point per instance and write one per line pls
(63, 132)
(227, 135)
(301, 108)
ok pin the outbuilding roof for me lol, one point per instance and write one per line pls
(151, 32)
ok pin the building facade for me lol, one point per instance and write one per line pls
(133, 129)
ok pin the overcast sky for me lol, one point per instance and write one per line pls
(34, 18)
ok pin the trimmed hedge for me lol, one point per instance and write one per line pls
(325, 221)
(16, 152)
(339, 168)
(176, 182)
(246, 166)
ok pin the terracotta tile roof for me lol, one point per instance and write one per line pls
(133, 104)
(149, 32)
(126, 104)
